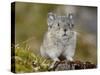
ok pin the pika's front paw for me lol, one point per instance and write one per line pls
(54, 65)
(69, 58)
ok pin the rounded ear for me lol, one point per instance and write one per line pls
(51, 18)
(70, 18)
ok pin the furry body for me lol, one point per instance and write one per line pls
(59, 40)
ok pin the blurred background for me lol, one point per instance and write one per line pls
(31, 25)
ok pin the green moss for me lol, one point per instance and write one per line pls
(22, 68)
(27, 61)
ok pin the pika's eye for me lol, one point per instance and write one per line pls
(72, 25)
(58, 24)
(68, 24)
(50, 26)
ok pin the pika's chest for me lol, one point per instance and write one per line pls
(65, 41)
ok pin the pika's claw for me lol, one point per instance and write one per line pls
(54, 65)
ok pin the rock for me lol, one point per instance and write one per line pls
(75, 65)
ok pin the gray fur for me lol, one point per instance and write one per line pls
(60, 39)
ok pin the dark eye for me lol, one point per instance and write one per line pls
(50, 26)
(68, 24)
(72, 25)
(58, 24)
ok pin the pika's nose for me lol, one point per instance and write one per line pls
(64, 30)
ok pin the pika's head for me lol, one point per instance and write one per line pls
(60, 25)
(65, 24)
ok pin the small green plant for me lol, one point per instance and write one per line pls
(27, 61)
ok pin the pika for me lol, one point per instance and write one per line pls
(60, 38)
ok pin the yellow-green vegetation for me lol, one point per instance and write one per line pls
(27, 61)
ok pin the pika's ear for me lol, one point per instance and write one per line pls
(51, 18)
(70, 18)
